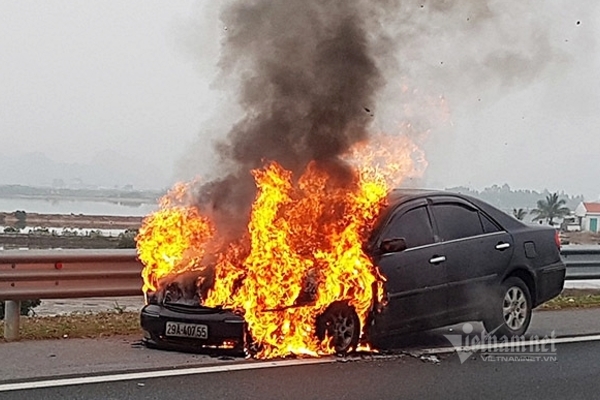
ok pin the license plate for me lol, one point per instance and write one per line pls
(180, 329)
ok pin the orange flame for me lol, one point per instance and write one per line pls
(170, 235)
(303, 250)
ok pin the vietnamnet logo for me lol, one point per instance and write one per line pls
(498, 349)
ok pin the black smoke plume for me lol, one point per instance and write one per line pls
(307, 81)
(310, 77)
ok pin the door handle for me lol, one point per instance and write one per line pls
(437, 259)
(502, 246)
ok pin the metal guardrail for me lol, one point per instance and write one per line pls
(583, 262)
(54, 274)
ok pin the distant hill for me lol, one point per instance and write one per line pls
(107, 169)
(110, 195)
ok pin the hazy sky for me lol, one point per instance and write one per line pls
(127, 85)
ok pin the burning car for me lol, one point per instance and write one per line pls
(434, 259)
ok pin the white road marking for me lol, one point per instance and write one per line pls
(498, 346)
(160, 374)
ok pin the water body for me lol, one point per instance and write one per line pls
(75, 207)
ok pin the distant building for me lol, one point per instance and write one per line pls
(590, 216)
(571, 223)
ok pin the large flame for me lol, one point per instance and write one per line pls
(303, 250)
(168, 235)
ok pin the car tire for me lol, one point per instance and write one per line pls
(510, 312)
(340, 323)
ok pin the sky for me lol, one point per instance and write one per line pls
(126, 92)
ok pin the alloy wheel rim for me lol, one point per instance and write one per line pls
(343, 329)
(515, 308)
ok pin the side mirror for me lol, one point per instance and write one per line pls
(393, 245)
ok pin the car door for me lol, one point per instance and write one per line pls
(477, 251)
(416, 276)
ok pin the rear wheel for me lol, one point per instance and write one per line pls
(340, 323)
(510, 313)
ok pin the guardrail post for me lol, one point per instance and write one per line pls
(12, 312)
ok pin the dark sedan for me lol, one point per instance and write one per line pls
(447, 258)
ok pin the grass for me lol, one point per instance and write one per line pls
(574, 298)
(119, 323)
(79, 325)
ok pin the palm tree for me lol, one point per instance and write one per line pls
(551, 208)
(519, 213)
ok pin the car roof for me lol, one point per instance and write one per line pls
(401, 195)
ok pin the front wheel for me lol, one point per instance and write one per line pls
(341, 324)
(510, 313)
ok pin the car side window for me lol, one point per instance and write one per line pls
(488, 225)
(414, 226)
(455, 221)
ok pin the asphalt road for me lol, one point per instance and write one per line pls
(573, 375)
(574, 372)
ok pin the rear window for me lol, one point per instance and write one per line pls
(488, 225)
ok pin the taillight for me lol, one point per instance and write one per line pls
(557, 239)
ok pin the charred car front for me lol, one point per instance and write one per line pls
(170, 321)
(446, 257)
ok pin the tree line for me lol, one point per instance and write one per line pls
(547, 209)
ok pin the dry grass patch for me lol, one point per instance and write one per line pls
(79, 325)
(574, 298)
(580, 237)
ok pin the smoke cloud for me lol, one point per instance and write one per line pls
(307, 78)
(313, 77)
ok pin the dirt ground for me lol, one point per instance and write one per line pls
(74, 221)
(580, 238)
